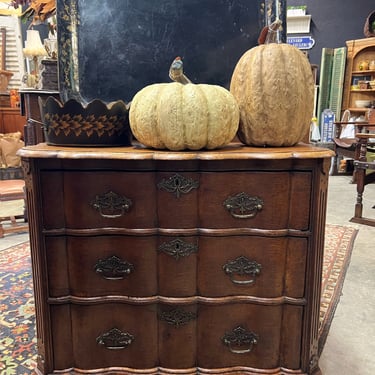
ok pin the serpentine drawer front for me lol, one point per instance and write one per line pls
(176, 200)
(152, 262)
(150, 265)
(142, 336)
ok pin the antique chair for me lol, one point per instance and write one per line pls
(11, 190)
(365, 174)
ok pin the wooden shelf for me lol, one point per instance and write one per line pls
(358, 109)
(363, 72)
(362, 90)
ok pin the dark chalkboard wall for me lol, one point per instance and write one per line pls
(110, 49)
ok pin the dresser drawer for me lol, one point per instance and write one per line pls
(266, 200)
(252, 265)
(102, 265)
(176, 200)
(176, 336)
(80, 200)
(145, 266)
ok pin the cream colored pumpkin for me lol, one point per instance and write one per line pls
(174, 116)
(274, 87)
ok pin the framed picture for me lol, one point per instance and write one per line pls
(357, 79)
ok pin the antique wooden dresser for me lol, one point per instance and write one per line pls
(157, 262)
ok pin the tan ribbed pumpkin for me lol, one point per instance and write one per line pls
(274, 87)
(177, 116)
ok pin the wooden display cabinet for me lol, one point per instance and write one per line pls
(11, 120)
(30, 109)
(357, 51)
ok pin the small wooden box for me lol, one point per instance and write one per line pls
(363, 85)
(4, 100)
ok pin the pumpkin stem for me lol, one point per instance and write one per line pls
(176, 71)
(269, 33)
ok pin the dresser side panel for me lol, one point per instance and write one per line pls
(34, 194)
(310, 337)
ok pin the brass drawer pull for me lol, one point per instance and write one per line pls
(178, 185)
(243, 206)
(240, 341)
(178, 248)
(242, 266)
(111, 205)
(115, 339)
(113, 268)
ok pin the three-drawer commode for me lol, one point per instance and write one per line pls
(158, 262)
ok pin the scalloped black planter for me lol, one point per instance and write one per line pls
(95, 124)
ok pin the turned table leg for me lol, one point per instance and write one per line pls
(360, 174)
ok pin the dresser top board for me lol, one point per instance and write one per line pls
(139, 152)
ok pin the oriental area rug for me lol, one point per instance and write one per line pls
(17, 311)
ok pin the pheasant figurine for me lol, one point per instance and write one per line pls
(176, 71)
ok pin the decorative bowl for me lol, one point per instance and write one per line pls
(362, 103)
(94, 124)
